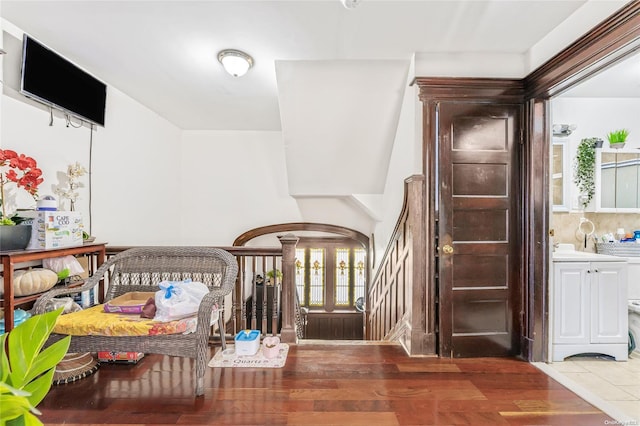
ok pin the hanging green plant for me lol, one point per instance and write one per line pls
(585, 170)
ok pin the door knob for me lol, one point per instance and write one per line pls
(447, 249)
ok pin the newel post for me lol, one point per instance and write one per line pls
(288, 331)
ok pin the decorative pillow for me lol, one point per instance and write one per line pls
(32, 281)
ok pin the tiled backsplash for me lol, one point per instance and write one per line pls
(566, 227)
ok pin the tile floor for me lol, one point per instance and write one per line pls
(613, 387)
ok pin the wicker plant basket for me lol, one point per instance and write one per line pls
(619, 249)
(75, 366)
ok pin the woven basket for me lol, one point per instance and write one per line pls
(619, 249)
(75, 366)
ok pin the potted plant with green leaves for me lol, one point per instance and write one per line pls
(617, 138)
(585, 170)
(26, 369)
(274, 277)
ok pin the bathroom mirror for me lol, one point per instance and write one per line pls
(618, 180)
(560, 171)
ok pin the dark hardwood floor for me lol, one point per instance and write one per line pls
(323, 385)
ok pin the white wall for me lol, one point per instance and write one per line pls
(26, 130)
(133, 162)
(233, 181)
(1, 68)
(153, 183)
(595, 117)
(137, 176)
(406, 160)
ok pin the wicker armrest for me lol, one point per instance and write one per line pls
(39, 307)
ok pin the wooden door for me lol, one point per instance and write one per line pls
(330, 276)
(477, 211)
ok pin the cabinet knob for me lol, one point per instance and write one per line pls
(588, 271)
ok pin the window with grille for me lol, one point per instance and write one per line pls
(330, 274)
(342, 277)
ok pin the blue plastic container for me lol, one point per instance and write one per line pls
(19, 316)
(247, 342)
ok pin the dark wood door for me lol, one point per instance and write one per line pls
(478, 259)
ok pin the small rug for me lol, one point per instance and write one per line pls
(230, 359)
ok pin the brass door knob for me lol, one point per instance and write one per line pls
(447, 249)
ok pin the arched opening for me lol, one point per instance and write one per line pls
(332, 270)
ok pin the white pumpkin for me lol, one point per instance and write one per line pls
(32, 281)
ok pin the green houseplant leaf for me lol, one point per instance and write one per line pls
(274, 277)
(26, 369)
(277, 273)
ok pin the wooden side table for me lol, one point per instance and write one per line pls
(12, 258)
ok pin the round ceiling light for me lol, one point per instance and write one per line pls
(235, 62)
(350, 4)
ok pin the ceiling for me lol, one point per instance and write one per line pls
(163, 53)
(331, 79)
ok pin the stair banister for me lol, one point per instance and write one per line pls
(288, 332)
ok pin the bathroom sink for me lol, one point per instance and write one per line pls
(582, 256)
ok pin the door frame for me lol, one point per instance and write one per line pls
(482, 92)
(609, 43)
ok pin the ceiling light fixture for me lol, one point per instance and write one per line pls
(350, 4)
(235, 62)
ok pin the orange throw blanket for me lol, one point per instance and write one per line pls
(94, 321)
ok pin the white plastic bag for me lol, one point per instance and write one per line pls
(178, 299)
(59, 264)
(62, 302)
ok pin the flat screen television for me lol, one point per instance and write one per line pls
(53, 80)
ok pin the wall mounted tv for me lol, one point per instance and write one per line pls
(53, 80)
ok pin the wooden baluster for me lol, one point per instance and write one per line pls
(275, 308)
(236, 296)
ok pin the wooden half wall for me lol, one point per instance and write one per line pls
(399, 301)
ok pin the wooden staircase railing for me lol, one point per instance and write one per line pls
(398, 298)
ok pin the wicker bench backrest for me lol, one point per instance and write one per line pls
(142, 269)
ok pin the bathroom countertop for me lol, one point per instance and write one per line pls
(582, 256)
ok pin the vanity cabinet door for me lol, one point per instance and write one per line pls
(571, 303)
(609, 320)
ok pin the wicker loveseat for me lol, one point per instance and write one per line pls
(142, 269)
